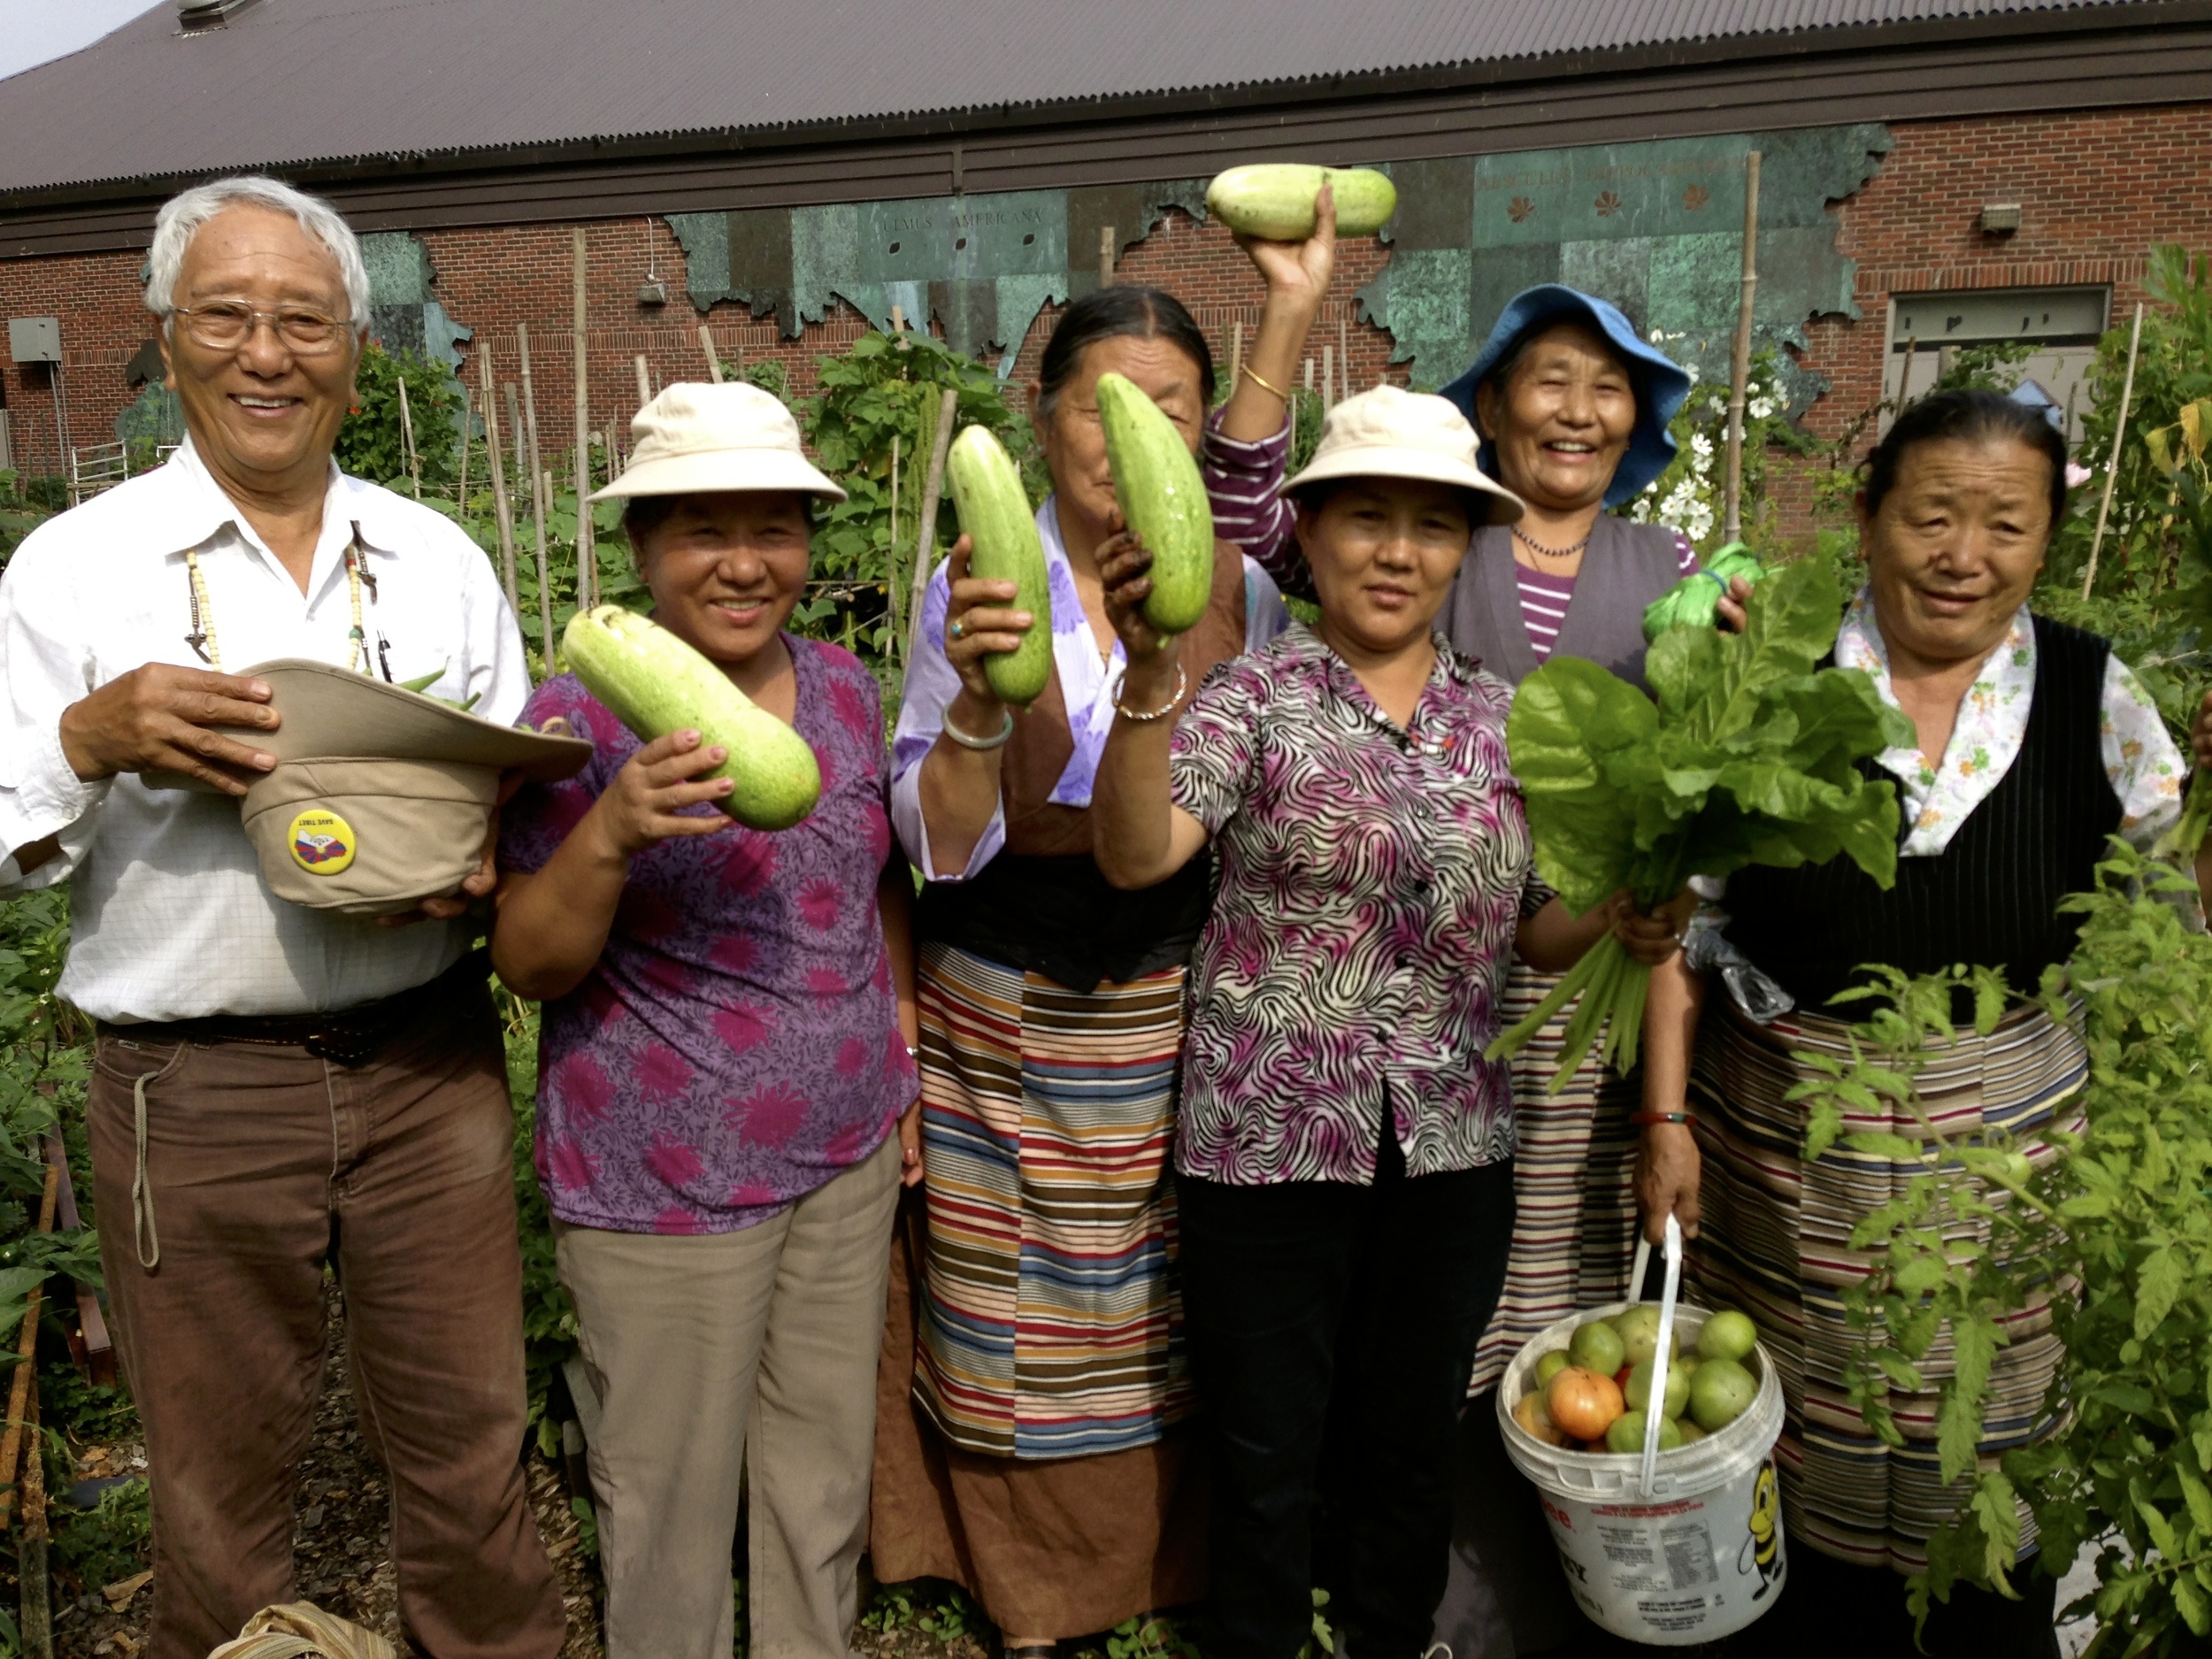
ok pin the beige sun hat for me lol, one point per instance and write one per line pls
(1388, 433)
(696, 438)
(381, 796)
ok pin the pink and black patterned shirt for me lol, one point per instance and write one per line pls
(1370, 882)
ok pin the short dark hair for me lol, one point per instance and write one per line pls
(1976, 417)
(1114, 313)
(642, 515)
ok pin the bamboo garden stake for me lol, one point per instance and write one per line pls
(1328, 377)
(501, 513)
(468, 420)
(586, 558)
(1236, 353)
(1740, 357)
(933, 485)
(714, 361)
(891, 588)
(26, 1349)
(407, 437)
(644, 381)
(2119, 435)
(1105, 256)
(541, 494)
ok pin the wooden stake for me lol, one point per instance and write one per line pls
(587, 560)
(2119, 435)
(644, 381)
(933, 485)
(500, 511)
(1328, 376)
(407, 437)
(36, 1608)
(468, 420)
(1344, 357)
(1308, 374)
(893, 590)
(1739, 357)
(1236, 353)
(1106, 252)
(26, 1352)
(540, 493)
(714, 361)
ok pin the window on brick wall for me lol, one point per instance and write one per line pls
(2059, 327)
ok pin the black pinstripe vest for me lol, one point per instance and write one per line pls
(1992, 896)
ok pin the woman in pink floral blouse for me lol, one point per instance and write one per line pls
(1345, 1151)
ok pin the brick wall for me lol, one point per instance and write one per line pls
(2096, 191)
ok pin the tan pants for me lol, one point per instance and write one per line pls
(262, 1165)
(702, 1346)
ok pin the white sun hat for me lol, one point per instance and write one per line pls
(696, 439)
(1388, 433)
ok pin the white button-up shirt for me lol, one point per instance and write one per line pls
(171, 918)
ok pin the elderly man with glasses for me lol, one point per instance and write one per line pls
(277, 1089)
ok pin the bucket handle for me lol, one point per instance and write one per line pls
(1662, 1357)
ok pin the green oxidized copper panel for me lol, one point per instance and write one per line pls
(1655, 227)
(981, 266)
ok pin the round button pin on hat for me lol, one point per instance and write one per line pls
(381, 796)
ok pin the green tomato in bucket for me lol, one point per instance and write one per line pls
(1720, 1392)
(1638, 1392)
(1596, 1346)
(1627, 1433)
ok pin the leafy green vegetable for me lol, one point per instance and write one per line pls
(1747, 758)
(1695, 600)
(421, 686)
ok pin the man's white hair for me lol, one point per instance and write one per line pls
(182, 216)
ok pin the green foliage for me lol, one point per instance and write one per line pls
(2119, 1212)
(1747, 758)
(24, 506)
(886, 388)
(549, 1318)
(370, 443)
(929, 1605)
(1689, 496)
(110, 1542)
(44, 1066)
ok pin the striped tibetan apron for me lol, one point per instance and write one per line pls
(1050, 1324)
(1774, 1241)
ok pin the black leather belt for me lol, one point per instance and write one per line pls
(348, 1037)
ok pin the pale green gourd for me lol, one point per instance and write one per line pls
(656, 683)
(1275, 200)
(1004, 547)
(1162, 499)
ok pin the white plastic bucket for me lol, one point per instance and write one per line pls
(1669, 1550)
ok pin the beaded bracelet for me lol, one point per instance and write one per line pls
(1182, 684)
(1643, 1119)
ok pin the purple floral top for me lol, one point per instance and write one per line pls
(1370, 881)
(737, 1044)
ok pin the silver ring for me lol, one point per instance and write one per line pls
(957, 630)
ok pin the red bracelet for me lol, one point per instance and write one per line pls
(1642, 1119)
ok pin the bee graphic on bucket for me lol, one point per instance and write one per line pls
(1763, 1547)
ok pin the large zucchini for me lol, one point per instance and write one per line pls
(1004, 547)
(1275, 200)
(1162, 499)
(655, 684)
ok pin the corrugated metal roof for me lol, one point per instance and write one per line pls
(292, 82)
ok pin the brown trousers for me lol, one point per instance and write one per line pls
(261, 1164)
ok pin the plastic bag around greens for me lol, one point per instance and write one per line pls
(1694, 600)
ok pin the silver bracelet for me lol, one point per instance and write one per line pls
(1182, 684)
(979, 743)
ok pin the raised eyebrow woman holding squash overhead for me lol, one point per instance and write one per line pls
(1032, 1440)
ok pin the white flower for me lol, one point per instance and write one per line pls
(1658, 336)
(1690, 369)
(1701, 446)
(1719, 406)
(1761, 408)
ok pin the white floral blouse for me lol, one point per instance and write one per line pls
(2145, 769)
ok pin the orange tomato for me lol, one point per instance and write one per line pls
(1585, 1402)
(1531, 1416)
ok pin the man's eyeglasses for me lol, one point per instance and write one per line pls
(226, 325)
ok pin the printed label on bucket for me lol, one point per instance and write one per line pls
(1690, 1569)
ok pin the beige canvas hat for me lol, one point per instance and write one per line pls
(1388, 433)
(381, 796)
(694, 438)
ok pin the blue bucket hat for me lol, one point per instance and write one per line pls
(1661, 383)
